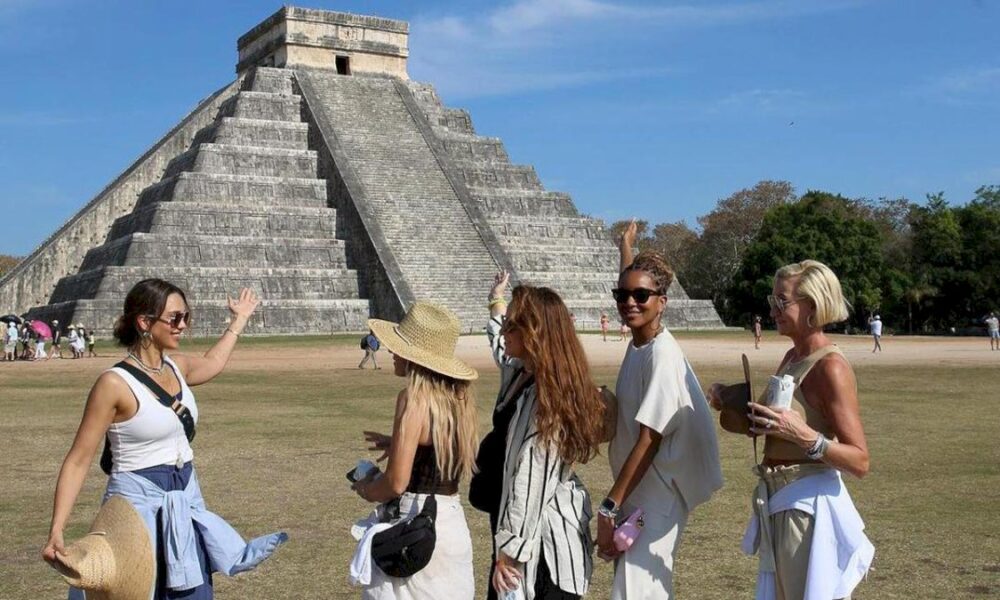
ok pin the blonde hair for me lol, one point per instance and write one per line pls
(820, 285)
(454, 422)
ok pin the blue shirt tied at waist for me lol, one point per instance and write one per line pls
(182, 510)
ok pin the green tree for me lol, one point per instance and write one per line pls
(726, 232)
(821, 226)
(937, 255)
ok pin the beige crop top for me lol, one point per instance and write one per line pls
(782, 450)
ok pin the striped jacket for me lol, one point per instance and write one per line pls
(544, 509)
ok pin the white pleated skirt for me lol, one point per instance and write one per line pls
(448, 574)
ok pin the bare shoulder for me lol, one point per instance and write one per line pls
(183, 362)
(109, 388)
(832, 372)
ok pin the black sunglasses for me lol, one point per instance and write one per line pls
(175, 320)
(641, 295)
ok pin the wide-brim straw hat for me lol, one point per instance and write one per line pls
(115, 560)
(426, 336)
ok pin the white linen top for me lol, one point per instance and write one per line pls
(154, 435)
(657, 388)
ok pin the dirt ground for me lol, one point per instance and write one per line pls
(702, 349)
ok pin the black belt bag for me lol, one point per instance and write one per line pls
(182, 412)
(407, 547)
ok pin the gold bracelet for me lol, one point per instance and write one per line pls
(496, 301)
(232, 332)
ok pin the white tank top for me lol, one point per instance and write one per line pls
(154, 435)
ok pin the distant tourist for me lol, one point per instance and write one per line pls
(81, 340)
(56, 340)
(370, 345)
(73, 338)
(993, 327)
(548, 419)
(605, 322)
(756, 332)
(10, 342)
(431, 449)
(91, 340)
(147, 454)
(27, 349)
(623, 332)
(805, 527)
(39, 347)
(875, 326)
(664, 455)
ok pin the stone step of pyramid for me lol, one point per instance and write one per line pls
(234, 131)
(218, 219)
(113, 282)
(199, 250)
(270, 80)
(210, 316)
(502, 203)
(560, 259)
(475, 149)
(499, 175)
(245, 160)
(454, 120)
(264, 105)
(248, 190)
(554, 228)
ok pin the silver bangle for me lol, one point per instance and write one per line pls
(818, 448)
(231, 331)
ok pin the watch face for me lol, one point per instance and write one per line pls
(608, 504)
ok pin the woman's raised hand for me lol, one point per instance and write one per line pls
(500, 281)
(627, 239)
(244, 305)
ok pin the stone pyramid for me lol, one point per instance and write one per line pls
(339, 189)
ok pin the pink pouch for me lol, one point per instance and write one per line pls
(628, 530)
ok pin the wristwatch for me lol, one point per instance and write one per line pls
(609, 508)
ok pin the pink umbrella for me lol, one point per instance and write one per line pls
(41, 329)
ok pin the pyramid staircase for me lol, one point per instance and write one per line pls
(242, 207)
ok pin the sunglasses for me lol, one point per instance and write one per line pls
(780, 303)
(175, 320)
(641, 295)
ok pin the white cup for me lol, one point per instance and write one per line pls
(780, 391)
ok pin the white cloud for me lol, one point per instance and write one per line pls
(537, 44)
(964, 87)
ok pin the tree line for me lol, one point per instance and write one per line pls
(923, 267)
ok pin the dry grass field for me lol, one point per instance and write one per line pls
(283, 424)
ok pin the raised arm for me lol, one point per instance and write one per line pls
(498, 309)
(626, 243)
(202, 369)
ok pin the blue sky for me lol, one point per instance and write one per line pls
(652, 109)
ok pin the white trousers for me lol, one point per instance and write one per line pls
(646, 571)
(449, 573)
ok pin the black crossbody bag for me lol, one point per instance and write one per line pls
(406, 547)
(182, 412)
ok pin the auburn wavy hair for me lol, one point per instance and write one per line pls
(569, 413)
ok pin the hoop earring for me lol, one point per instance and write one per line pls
(809, 321)
(145, 341)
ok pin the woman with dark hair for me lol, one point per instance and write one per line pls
(145, 413)
(664, 455)
(552, 417)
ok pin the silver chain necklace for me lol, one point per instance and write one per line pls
(147, 368)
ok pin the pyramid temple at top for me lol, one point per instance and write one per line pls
(337, 188)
